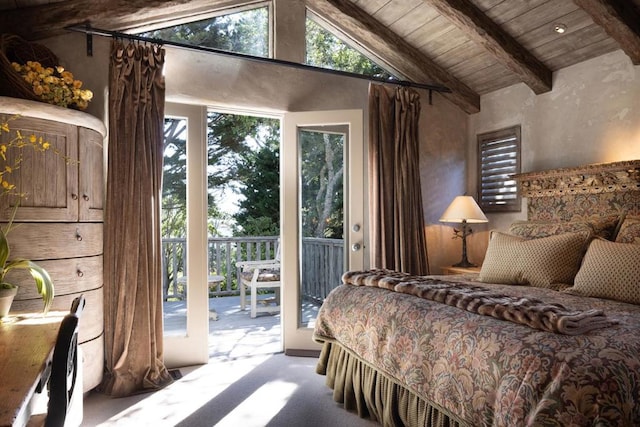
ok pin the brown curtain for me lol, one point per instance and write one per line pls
(132, 245)
(395, 199)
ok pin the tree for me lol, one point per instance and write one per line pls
(327, 51)
(174, 198)
(243, 32)
(258, 172)
(322, 170)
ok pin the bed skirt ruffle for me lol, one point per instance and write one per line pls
(374, 395)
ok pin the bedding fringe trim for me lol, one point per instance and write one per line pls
(535, 313)
(374, 395)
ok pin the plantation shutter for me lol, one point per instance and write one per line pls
(498, 161)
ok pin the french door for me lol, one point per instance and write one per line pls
(322, 213)
(345, 248)
(187, 342)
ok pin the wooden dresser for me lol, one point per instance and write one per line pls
(60, 222)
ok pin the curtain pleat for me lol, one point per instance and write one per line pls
(395, 195)
(132, 239)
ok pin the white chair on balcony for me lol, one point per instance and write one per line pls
(257, 275)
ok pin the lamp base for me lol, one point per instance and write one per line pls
(464, 264)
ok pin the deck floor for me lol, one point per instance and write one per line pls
(234, 334)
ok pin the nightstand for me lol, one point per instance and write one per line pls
(466, 271)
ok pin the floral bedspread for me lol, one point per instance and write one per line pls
(489, 371)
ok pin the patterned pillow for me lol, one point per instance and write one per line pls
(609, 270)
(265, 275)
(547, 262)
(629, 231)
(605, 226)
(538, 229)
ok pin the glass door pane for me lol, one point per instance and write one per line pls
(322, 262)
(174, 226)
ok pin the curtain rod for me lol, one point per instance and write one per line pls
(90, 31)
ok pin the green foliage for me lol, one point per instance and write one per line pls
(244, 32)
(322, 169)
(174, 197)
(258, 172)
(327, 51)
(261, 226)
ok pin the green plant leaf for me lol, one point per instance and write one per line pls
(44, 284)
(4, 251)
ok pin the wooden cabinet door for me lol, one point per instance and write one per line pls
(91, 175)
(48, 180)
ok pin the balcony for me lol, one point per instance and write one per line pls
(321, 267)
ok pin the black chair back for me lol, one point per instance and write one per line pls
(64, 367)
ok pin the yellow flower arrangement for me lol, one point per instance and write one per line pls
(54, 85)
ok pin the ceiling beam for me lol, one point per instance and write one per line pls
(620, 19)
(482, 30)
(392, 49)
(51, 19)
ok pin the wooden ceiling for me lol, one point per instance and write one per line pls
(471, 46)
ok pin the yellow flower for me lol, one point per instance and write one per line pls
(54, 85)
(9, 164)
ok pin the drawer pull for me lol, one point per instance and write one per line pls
(79, 273)
(78, 235)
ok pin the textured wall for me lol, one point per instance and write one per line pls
(592, 115)
(443, 172)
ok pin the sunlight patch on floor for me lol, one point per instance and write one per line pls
(261, 406)
(177, 401)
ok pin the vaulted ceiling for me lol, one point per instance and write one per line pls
(471, 46)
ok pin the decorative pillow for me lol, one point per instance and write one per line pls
(538, 229)
(597, 226)
(605, 226)
(629, 231)
(609, 270)
(547, 262)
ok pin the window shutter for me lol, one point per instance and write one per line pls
(498, 161)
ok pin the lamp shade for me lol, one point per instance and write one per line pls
(463, 208)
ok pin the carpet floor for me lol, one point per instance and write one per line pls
(269, 390)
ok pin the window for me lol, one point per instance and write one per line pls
(325, 50)
(498, 161)
(245, 32)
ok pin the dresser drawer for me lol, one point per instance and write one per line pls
(91, 320)
(39, 240)
(69, 276)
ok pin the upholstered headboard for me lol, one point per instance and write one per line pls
(589, 191)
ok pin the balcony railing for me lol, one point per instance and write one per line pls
(322, 264)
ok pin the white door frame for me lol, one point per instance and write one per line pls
(295, 337)
(193, 348)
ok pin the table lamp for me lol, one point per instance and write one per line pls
(463, 210)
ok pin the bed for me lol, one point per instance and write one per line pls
(548, 334)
